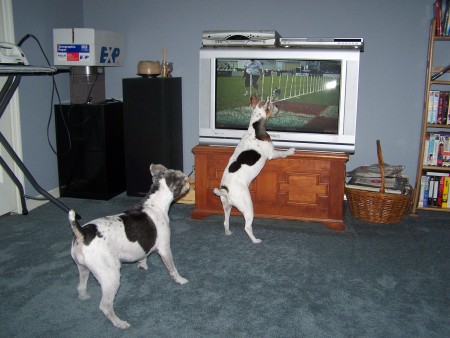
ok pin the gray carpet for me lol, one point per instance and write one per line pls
(304, 280)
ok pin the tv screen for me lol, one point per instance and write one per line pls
(307, 93)
(316, 91)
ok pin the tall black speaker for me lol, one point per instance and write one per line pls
(90, 144)
(153, 129)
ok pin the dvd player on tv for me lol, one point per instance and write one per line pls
(345, 43)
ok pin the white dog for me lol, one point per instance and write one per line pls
(247, 161)
(102, 244)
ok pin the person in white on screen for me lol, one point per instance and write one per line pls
(252, 72)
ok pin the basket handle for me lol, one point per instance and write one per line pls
(381, 165)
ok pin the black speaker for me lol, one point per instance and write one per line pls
(90, 145)
(153, 129)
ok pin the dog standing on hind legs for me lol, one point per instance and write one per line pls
(102, 244)
(247, 161)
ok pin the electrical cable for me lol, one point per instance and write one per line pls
(54, 89)
(88, 101)
(89, 98)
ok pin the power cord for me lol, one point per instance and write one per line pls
(54, 90)
(89, 97)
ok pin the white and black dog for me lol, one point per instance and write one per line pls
(102, 244)
(247, 161)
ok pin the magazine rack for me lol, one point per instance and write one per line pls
(378, 207)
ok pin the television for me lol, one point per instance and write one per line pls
(316, 91)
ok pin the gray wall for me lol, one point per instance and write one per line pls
(39, 18)
(391, 75)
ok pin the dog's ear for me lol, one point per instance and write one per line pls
(155, 169)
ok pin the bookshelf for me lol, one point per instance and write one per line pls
(425, 165)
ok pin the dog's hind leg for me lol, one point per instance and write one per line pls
(82, 285)
(83, 271)
(227, 211)
(248, 216)
(246, 208)
(109, 278)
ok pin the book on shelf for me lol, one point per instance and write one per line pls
(442, 109)
(440, 151)
(444, 116)
(445, 192)
(442, 17)
(430, 191)
(430, 105)
(446, 151)
(437, 17)
(425, 186)
(423, 180)
(433, 105)
(431, 154)
(437, 149)
(437, 110)
(434, 189)
(425, 149)
(440, 189)
(437, 173)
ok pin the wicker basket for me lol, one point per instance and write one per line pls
(378, 207)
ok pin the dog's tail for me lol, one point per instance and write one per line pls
(221, 192)
(76, 228)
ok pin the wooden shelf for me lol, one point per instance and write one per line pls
(429, 127)
(438, 126)
(306, 186)
(440, 82)
(441, 37)
(435, 168)
(433, 209)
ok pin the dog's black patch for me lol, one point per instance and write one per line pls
(89, 231)
(248, 157)
(260, 130)
(139, 227)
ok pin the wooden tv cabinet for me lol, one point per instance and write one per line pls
(307, 186)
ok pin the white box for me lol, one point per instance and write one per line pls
(87, 47)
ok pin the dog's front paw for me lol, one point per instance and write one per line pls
(291, 151)
(121, 324)
(257, 241)
(83, 294)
